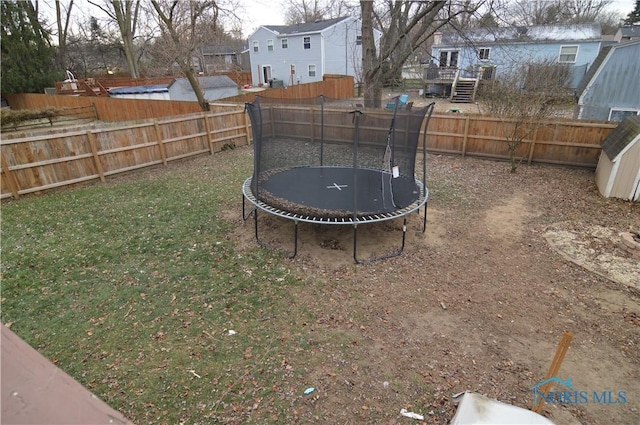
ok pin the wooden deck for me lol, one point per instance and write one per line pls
(35, 391)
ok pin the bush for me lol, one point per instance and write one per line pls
(14, 118)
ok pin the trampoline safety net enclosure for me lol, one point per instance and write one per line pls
(322, 164)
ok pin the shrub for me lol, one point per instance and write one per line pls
(14, 118)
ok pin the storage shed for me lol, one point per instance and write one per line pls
(214, 87)
(152, 92)
(618, 171)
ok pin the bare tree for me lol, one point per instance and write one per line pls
(582, 11)
(525, 99)
(63, 20)
(545, 12)
(186, 26)
(125, 14)
(299, 11)
(406, 25)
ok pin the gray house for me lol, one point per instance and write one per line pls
(627, 33)
(487, 53)
(221, 58)
(304, 53)
(214, 87)
(611, 89)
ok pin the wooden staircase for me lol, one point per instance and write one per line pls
(464, 90)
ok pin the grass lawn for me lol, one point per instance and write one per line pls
(133, 288)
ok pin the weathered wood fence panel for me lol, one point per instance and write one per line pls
(43, 162)
(336, 87)
(107, 108)
(112, 109)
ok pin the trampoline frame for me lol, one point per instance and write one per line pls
(355, 221)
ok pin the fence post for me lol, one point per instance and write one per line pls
(246, 126)
(11, 179)
(465, 136)
(532, 145)
(96, 159)
(95, 110)
(208, 130)
(163, 153)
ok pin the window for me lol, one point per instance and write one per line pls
(483, 54)
(270, 45)
(312, 70)
(453, 59)
(285, 43)
(449, 58)
(307, 42)
(358, 40)
(619, 114)
(568, 54)
(255, 46)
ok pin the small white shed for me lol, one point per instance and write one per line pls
(618, 171)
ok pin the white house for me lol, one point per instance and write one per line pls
(304, 53)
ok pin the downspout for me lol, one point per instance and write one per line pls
(322, 56)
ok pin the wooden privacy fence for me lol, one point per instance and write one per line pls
(107, 108)
(571, 142)
(112, 109)
(333, 86)
(38, 163)
(33, 164)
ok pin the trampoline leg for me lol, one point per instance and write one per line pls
(245, 216)
(264, 245)
(395, 253)
(355, 244)
(424, 223)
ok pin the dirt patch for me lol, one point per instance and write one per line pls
(477, 302)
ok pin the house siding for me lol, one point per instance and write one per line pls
(342, 54)
(333, 51)
(507, 57)
(280, 60)
(513, 46)
(615, 85)
(603, 174)
(625, 178)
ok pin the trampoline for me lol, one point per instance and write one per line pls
(316, 163)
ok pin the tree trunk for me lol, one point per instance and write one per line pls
(131, 59)
(127, 19)
(371, 70)
(195, 85)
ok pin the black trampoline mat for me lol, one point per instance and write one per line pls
(329, 191)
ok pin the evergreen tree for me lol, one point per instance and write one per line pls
(634, 16)
(28, 58)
